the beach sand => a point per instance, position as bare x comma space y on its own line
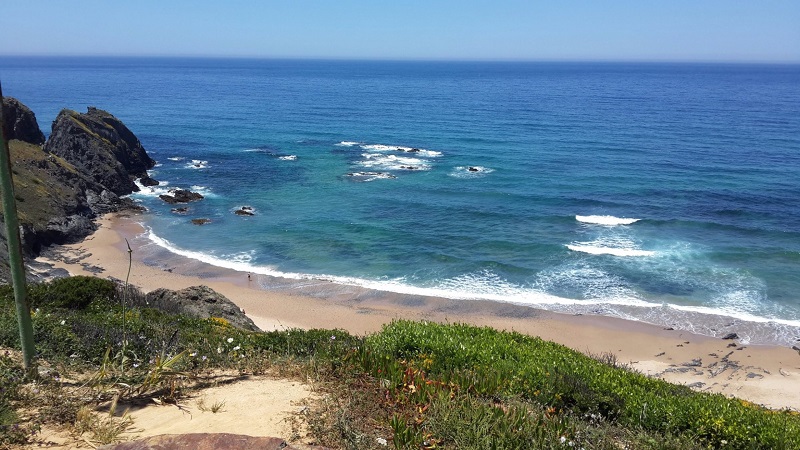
766, 375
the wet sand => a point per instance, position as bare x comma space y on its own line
767, 375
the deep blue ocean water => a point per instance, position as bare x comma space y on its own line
668, 193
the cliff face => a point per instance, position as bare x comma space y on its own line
89, 161
19, 122
100, 146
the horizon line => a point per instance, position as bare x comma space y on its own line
409, 59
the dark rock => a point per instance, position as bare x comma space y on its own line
147, 181
731, 336
694, 363
19, 122
201, 221
244, 212
181, 210
732, 344
101, 146
180, 196
473, 169
207, 441
201, 302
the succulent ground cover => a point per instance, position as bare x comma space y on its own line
411, 385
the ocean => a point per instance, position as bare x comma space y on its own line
666, 193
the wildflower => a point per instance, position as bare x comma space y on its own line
219, 350
381, 441
193, 354
205, 357
135, 365
563, 440
63, 322
236, 348
333, 338
230, 340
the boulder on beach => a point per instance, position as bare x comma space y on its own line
201, 302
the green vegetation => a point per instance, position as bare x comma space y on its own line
413, 385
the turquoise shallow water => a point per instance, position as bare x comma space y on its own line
660, 192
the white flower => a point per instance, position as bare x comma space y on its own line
63, 322
563, 440
219, 349
381, 441
230, 340
236, 348
193, 354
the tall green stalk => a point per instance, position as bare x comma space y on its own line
124, 300
15, 254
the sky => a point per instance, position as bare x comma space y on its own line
573, 30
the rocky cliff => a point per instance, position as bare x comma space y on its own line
89, 161
19, 122
101, 146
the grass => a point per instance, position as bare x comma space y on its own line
412, 385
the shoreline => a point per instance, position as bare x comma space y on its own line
762, 374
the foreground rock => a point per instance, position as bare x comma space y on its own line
100, 146
19, 122
201, 302
206, 441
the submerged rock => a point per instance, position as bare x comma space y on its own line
180, 196
201, 221
201, 302
244, 211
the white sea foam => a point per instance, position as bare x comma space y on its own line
197, 164
470, 171
606, 220
595, 250
176, 158
486, 285
288, 158
151, 191
399, 148
347, 143
370, 176
393, 162
204, 191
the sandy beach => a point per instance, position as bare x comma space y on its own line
767, 375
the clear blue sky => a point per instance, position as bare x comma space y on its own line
644, 30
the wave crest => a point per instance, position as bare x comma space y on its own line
606, 220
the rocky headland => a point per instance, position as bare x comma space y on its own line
83, 170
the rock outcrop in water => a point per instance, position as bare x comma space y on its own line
89, 161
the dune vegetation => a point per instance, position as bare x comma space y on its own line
411, 385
